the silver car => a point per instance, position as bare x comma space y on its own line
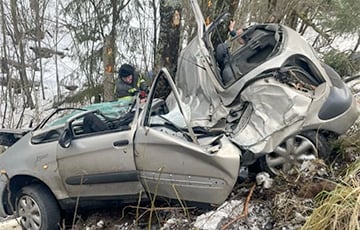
270, 101
152, 148
267, 89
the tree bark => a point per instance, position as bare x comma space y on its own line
154, 7
109, 56
4, 66
108, 59
169, 37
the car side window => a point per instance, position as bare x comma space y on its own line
47, 136
90, 123
95, 123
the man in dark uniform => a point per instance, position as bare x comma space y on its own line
129, 82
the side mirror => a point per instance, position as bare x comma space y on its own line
65, 139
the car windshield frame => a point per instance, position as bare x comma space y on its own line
112, 110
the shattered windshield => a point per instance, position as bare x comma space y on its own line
113, 110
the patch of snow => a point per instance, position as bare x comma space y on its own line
9, 224
212, 220
263, 178
259, 216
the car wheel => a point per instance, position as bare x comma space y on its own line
37, 208
294, 151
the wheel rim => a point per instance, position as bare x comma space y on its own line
291, 153
29, 213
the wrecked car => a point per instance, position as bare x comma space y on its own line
61, 164
271, 94
270, 101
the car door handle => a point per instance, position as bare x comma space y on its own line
121, 143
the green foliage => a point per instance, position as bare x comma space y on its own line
343, 16
83, 95
341, 62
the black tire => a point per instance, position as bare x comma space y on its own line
37, 208
289, 154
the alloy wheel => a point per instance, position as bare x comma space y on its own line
291, 153
29, 213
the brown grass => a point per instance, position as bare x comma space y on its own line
340, 208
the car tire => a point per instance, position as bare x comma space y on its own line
293, 151
37, 208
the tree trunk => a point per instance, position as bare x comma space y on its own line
155, 25
169, 37
4, 67
18, 39
108, 59
109, 56
56, 50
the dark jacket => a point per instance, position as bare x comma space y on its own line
123, 89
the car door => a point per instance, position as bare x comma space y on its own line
98, 164
175, 161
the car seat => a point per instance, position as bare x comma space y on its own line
92, 123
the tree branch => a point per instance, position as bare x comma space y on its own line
310, 23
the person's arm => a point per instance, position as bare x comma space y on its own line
235, 32
232, 31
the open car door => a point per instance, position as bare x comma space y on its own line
176, 160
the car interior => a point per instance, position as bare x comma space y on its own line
260, 42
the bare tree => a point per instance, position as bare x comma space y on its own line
93, 25
4, 68
155, 8
169, 38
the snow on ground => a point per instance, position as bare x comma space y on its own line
259, 216
9, 224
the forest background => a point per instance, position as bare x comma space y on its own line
56, 52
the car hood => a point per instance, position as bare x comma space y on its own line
10, 136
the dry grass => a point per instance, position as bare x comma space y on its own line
340, 208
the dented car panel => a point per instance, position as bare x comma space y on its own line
177, 162
274, 108
269, 88
186, 171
